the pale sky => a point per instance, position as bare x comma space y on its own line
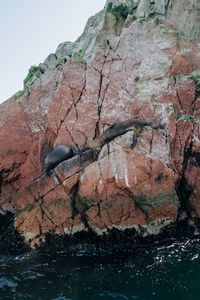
32, 29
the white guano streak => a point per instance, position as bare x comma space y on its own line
126, 177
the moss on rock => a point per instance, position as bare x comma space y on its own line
19, 93
115, 18
120, 10
109, 6
64, 44
77, 58
61, 61
186, 117
82, 204
195, 75
33, 73
145, 202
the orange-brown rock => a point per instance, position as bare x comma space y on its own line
184, 63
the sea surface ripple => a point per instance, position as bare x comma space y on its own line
167, 271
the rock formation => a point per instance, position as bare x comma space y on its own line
135, 59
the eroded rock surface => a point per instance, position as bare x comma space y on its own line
131, 69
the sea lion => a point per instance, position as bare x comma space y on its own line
118, 129
60, 153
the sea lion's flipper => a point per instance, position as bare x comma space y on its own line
48, 173
136, 134
76, 152
134, 141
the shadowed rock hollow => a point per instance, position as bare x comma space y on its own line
134, 60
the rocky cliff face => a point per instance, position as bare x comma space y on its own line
130, 63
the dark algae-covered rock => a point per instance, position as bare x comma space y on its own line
11, 242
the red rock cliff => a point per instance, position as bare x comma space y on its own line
131, 69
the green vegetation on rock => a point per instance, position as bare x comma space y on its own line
61, 202
28, 208
115, 18
145, 202
19, 93
98, 51
187, 117
171, 108
163, 32
31, 79
195, 75
132, 18
120, 10
140, 81
143, 21
61, 61
109, 6
77, 58
61, 45
82, 204
50, 56
33, 73
33, 69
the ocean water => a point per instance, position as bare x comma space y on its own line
167, 271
